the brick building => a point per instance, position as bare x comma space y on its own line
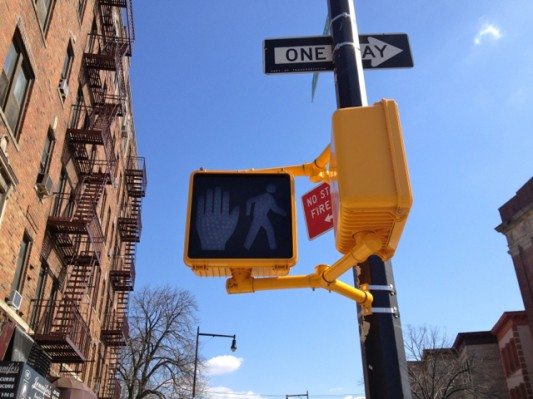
504, 355
517, 226
516, 352
71, 186
515, 329
481, 348
469, 369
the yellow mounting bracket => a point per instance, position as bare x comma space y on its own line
324, 276
316, 170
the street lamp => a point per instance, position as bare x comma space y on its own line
198, 334
299, 395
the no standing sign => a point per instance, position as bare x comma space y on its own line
318, 210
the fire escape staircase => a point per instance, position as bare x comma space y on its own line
114, 334
117, 44
78, 238
73, 222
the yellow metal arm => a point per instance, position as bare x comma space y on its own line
323, 277
316, 170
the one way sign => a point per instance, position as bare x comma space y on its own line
315, 53
386, 51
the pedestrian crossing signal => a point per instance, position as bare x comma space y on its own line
240, 221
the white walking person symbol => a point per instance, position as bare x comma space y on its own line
262, 204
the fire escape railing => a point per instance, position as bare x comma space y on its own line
116, 329
61, 331
136, 179
90, 128
122, 273
75, 227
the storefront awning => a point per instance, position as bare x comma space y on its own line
71, 388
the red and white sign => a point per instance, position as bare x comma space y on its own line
318, 210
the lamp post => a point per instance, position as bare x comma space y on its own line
299, 395
198, 334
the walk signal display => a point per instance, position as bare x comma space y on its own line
369, 177
240, 221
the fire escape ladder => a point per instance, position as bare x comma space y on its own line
110, 387
76, 232
123, 298
79, 278
106, 18
136, 179
115, 330
73, 221
61, 331
122, 273
90, 129
129, 224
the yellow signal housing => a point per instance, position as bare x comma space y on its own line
369, 176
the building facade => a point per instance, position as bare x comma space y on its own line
515, 329
71, 187
469, 369
516, 351
486, 375
517, 226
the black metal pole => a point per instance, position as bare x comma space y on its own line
382, 351
349, 81
198, 334
384, 364
195, 363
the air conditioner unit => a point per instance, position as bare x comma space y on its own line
15, 299
63, 87
44, 184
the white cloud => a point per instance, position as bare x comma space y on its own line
487, 30
223, 365
354, 397
228, 393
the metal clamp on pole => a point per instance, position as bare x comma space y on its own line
340, 45
393, 311
388, 287
341, 15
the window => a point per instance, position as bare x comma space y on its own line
90, 47
3, 192
58, 201
511, 361
7, 175
22, 263
102, 206
107, 222
81, 8
46, 156
44, 11
39, 293
65, 71
15, 82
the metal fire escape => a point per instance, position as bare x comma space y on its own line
116, 43
73, 224
122, 275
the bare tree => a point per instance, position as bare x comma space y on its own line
158, 361
439, 371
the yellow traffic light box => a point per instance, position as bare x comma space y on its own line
240, 221
369, 176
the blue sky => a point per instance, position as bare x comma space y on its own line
201, 99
